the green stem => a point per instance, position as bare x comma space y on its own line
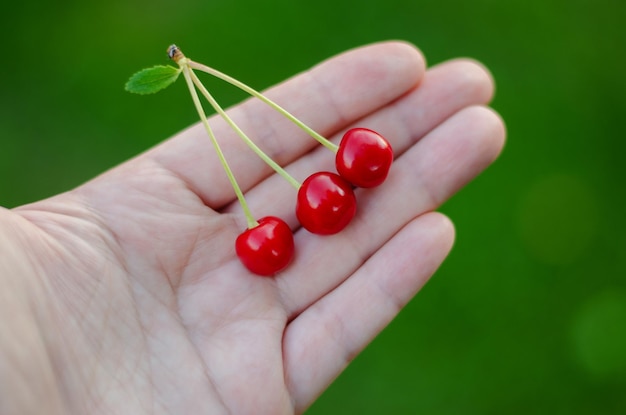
323, 141
187, 72
241, 134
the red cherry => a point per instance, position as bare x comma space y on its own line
267, 248
364, 157
326, 203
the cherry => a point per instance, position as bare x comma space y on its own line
364, 157
266, 248
325, 204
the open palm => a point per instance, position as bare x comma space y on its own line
131, 286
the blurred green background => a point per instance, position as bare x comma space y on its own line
528, 314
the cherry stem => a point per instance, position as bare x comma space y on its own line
187, 72
277, 168
323, 141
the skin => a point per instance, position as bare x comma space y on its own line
124, 295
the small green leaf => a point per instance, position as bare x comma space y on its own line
151, 80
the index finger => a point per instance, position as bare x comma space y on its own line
327, 98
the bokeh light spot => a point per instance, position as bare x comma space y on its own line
599, 334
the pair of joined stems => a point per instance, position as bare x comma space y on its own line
194, 82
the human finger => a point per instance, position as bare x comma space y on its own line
322, 340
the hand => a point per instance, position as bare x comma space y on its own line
125, 294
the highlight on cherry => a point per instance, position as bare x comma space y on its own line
325, 201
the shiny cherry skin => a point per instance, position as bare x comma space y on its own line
326, 203
267, 248
364, 157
